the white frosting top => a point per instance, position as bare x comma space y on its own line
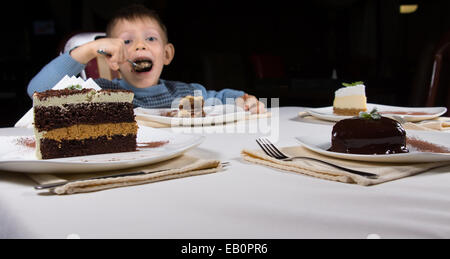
92, 96
27, 120
351, 90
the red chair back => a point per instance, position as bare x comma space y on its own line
440, 79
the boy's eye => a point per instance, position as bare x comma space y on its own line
127, 41
151, 39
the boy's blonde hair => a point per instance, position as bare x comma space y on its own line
134, 12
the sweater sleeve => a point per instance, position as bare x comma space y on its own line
223, 96
53, 72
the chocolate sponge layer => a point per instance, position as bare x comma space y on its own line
55, 117
69, 148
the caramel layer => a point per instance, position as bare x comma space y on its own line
79, 132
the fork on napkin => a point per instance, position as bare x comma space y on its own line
180, 167
385, 171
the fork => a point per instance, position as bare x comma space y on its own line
272, 151
100, 51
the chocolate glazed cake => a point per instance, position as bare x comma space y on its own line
369, 135
83, 122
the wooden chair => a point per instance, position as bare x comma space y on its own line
96, 68
439, 87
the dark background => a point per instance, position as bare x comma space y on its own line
274, 49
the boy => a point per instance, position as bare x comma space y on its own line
135, 34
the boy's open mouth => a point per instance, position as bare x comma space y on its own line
143, 65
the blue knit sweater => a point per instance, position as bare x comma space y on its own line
157, 96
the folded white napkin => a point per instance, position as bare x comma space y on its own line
385, 171
180, 167
441, 124
27, 120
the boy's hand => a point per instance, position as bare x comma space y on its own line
115, 47
251, 103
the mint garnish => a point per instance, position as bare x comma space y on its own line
374, 115
353, 84
74, 87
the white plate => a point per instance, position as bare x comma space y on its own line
326, 113
320, 143
218, 114
19, 158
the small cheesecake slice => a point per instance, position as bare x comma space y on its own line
350, 100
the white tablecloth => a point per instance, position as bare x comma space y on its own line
245, 201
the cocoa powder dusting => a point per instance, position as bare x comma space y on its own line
27, 142
425, 146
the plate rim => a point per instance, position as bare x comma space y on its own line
194, 142
392, 158
412, 118
220, 119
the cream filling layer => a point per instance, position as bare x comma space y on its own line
351, 102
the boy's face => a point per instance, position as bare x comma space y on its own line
144, 40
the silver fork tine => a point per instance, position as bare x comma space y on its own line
267, 149
272, 151
271, 146
263, 147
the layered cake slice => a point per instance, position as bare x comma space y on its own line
191, 107
350, 100
73, 122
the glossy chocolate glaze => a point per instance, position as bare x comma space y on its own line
368, 136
